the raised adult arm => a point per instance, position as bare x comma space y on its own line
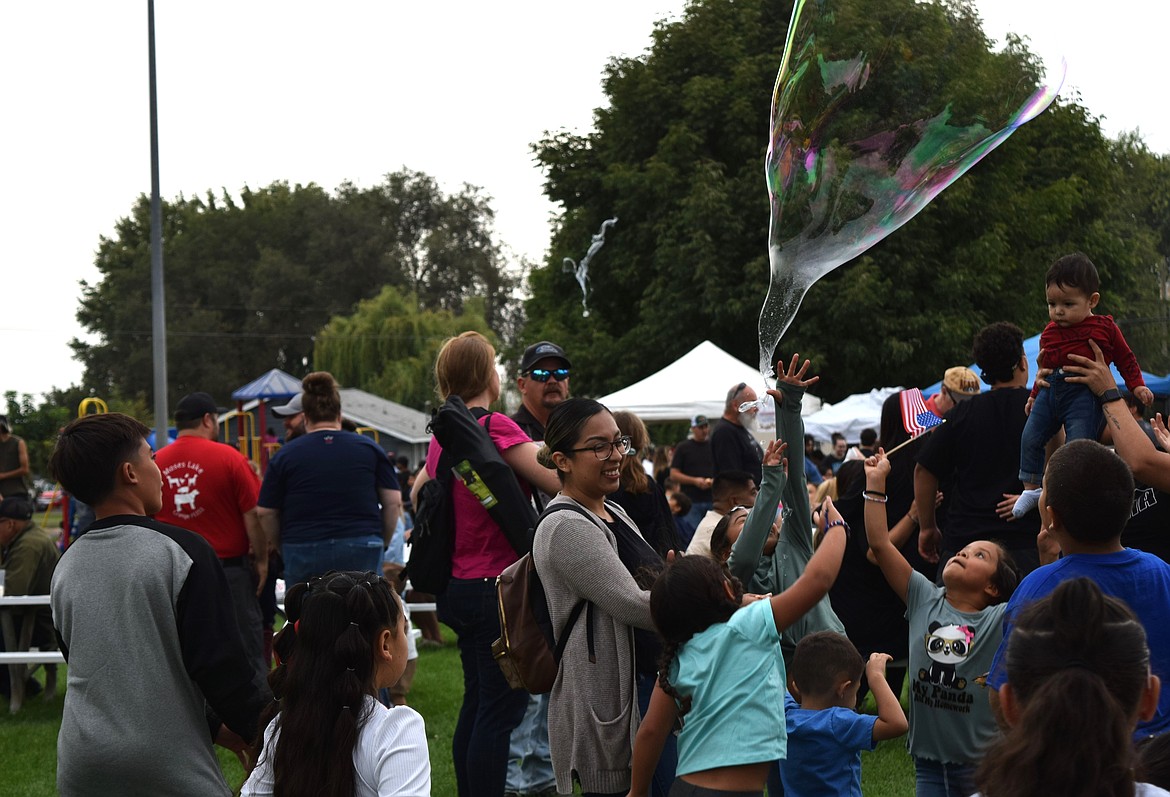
1149, 465
522, 460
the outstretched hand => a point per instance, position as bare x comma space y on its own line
794, 373
1161, 432
774, 454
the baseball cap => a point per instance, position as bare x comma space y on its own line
194, 406
16, 507
961, 382
699, 420
538, 351
292, 408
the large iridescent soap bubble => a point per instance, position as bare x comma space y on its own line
841, 176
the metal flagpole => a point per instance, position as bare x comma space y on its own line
157, 296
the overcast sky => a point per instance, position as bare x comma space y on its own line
252, 92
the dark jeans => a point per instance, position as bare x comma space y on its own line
491, 708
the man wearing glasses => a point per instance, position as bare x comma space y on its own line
543, 384
733, 447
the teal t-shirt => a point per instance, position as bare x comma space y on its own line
734, 675
950, 717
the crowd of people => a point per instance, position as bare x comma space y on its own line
725, 609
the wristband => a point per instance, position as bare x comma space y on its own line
868, 495
874, 493
1112, 394
840, 523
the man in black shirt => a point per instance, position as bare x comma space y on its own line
733, 447
980, 446
693, 469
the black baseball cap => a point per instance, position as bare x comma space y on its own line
16, 507
194, 406
538, 351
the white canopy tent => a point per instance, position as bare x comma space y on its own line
694, 384
850, 415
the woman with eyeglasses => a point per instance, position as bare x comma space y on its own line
466, 367
588, 552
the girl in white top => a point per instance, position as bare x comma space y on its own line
346, 637
1078, 682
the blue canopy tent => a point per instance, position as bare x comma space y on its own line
1159, 385
274, 385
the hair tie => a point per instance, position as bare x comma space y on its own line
297, 627
355, 625
349, 669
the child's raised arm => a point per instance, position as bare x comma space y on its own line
747, 551
891, 722
656, 726
818, 576
877, 532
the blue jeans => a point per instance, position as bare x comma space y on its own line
936, 779
1071, 405
529, 760
699, 510
491, 709
667, 762
303, 560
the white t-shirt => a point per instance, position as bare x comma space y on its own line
390, 758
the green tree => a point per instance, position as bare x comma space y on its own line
677, 155
387, 346
250, 282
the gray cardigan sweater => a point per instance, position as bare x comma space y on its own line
593, 708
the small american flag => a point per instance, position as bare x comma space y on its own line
916, 418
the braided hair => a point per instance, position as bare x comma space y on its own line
326, 652
1078, 664
687, 598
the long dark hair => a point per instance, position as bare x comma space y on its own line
688, 597
327, 652
1078, 663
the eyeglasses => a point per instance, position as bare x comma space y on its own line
543, 374
603, 451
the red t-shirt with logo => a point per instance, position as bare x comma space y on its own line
207, 488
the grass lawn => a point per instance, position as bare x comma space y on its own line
28, 740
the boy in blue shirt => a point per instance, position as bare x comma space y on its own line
825, 734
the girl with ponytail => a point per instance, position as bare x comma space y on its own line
329, 737
1078, 682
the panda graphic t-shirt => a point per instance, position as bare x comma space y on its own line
950, 651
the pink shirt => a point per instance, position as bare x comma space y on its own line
481, 549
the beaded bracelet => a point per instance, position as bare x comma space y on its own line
833, 523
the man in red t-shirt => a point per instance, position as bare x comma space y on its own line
211, 489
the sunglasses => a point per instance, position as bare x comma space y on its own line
543, 374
